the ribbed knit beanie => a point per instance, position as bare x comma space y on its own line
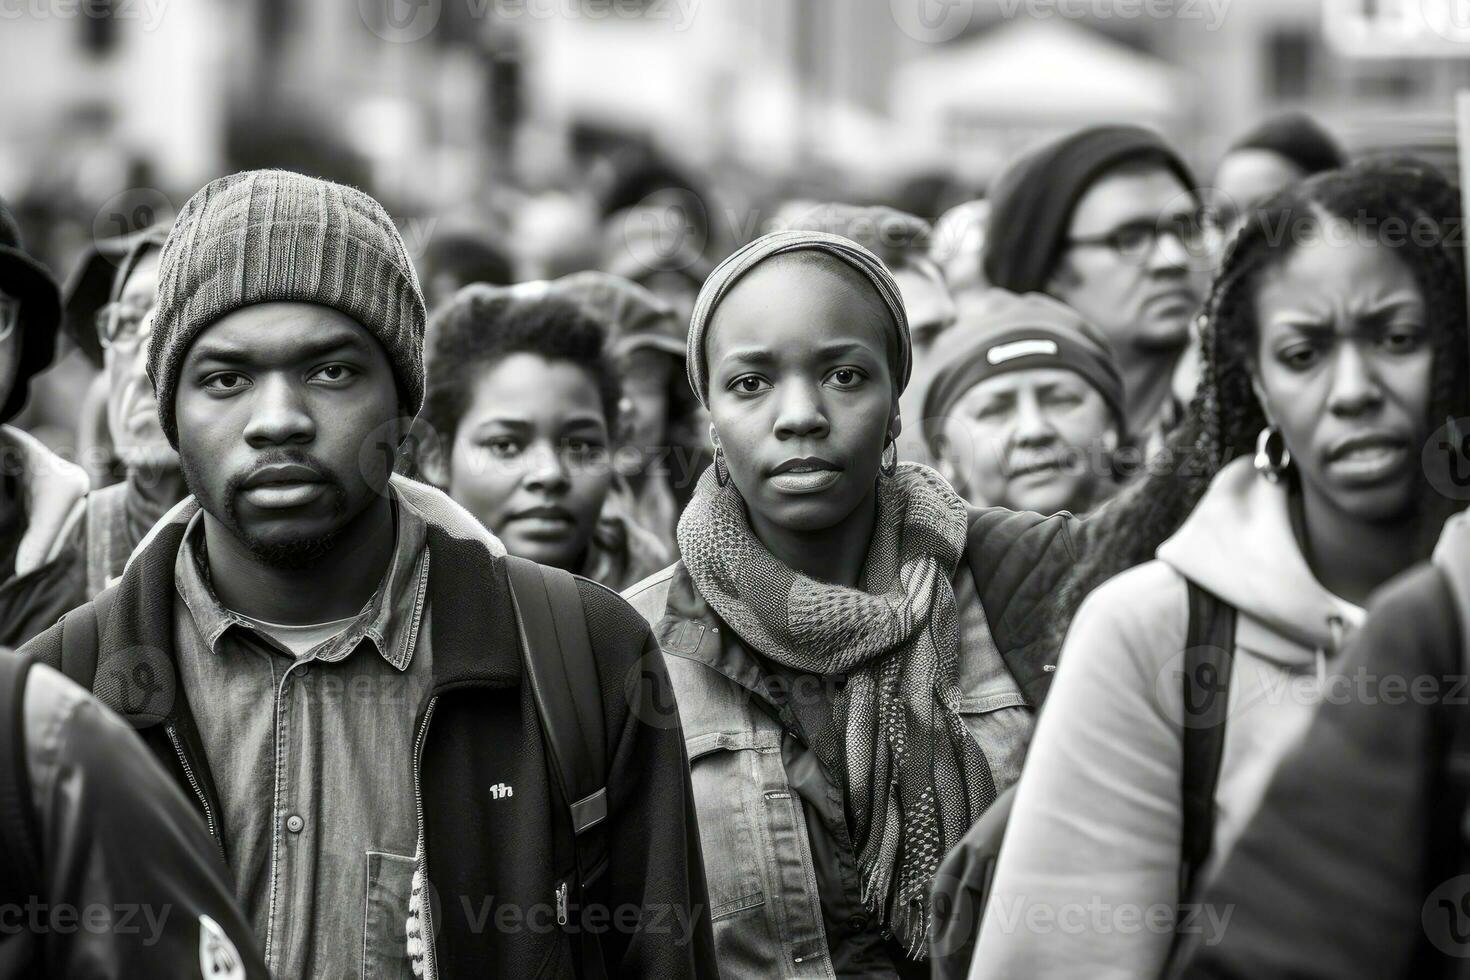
1033, 199
265, 236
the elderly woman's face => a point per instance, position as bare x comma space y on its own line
801, 390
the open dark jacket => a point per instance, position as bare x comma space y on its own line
480, 728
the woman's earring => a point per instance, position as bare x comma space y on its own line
1271, 465
889, 466
722, 471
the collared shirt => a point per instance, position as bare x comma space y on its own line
312, 757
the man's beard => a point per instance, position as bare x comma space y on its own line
298, 554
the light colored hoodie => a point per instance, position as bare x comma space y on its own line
1088, 876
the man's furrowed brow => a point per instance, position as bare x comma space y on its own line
227, 352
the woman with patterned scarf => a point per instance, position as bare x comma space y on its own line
856, 653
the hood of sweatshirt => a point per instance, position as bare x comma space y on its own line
1238, 544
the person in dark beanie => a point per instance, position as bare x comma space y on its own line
1027, 409
1281, 150
114, 519
1107, 220
396, 786
38, 489
106, 871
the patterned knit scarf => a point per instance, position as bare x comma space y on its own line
914, 778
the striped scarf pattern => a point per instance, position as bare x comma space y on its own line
914, 778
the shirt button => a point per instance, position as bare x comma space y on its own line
294, 823
856, 924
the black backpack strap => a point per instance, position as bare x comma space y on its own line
1209, 652
19, 837
568, 695
81, 638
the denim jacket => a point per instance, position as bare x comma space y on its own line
754, 784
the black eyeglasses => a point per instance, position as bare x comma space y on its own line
126, 323
1198, 234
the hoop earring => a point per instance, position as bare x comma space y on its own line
722, 470
889, 465
1273, 468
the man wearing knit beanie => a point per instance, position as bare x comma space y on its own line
305, 614
1027, 410
1106, 220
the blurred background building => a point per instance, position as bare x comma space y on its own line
540, 118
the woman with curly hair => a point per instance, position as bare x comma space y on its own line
1299, 483
522, 403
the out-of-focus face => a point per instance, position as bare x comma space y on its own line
800, 390
1031, 440
647, 377
1245, 178
675, 288
1344, 362
279, 406
928, 303
530, 458
1128, 268
132, 412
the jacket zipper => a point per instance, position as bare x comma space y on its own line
426, 921
561, 904
173, 737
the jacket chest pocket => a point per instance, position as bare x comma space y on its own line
730, 772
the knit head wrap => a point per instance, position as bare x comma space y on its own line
730, 271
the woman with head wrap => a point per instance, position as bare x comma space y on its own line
827, 635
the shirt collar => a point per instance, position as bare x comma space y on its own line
390, 620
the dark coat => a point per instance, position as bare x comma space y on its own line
494, 866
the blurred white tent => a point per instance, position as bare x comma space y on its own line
986, 98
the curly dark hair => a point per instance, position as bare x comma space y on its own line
482, 325
1225, 418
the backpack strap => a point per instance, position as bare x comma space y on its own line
81, 638
19, 837
568, 694
1209, 653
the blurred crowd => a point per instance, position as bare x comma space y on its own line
1167, 452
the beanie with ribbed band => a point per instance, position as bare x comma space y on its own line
265, 236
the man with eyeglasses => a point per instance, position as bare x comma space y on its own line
115, 518
1107, 220
37, 487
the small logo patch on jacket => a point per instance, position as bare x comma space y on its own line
500, 791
